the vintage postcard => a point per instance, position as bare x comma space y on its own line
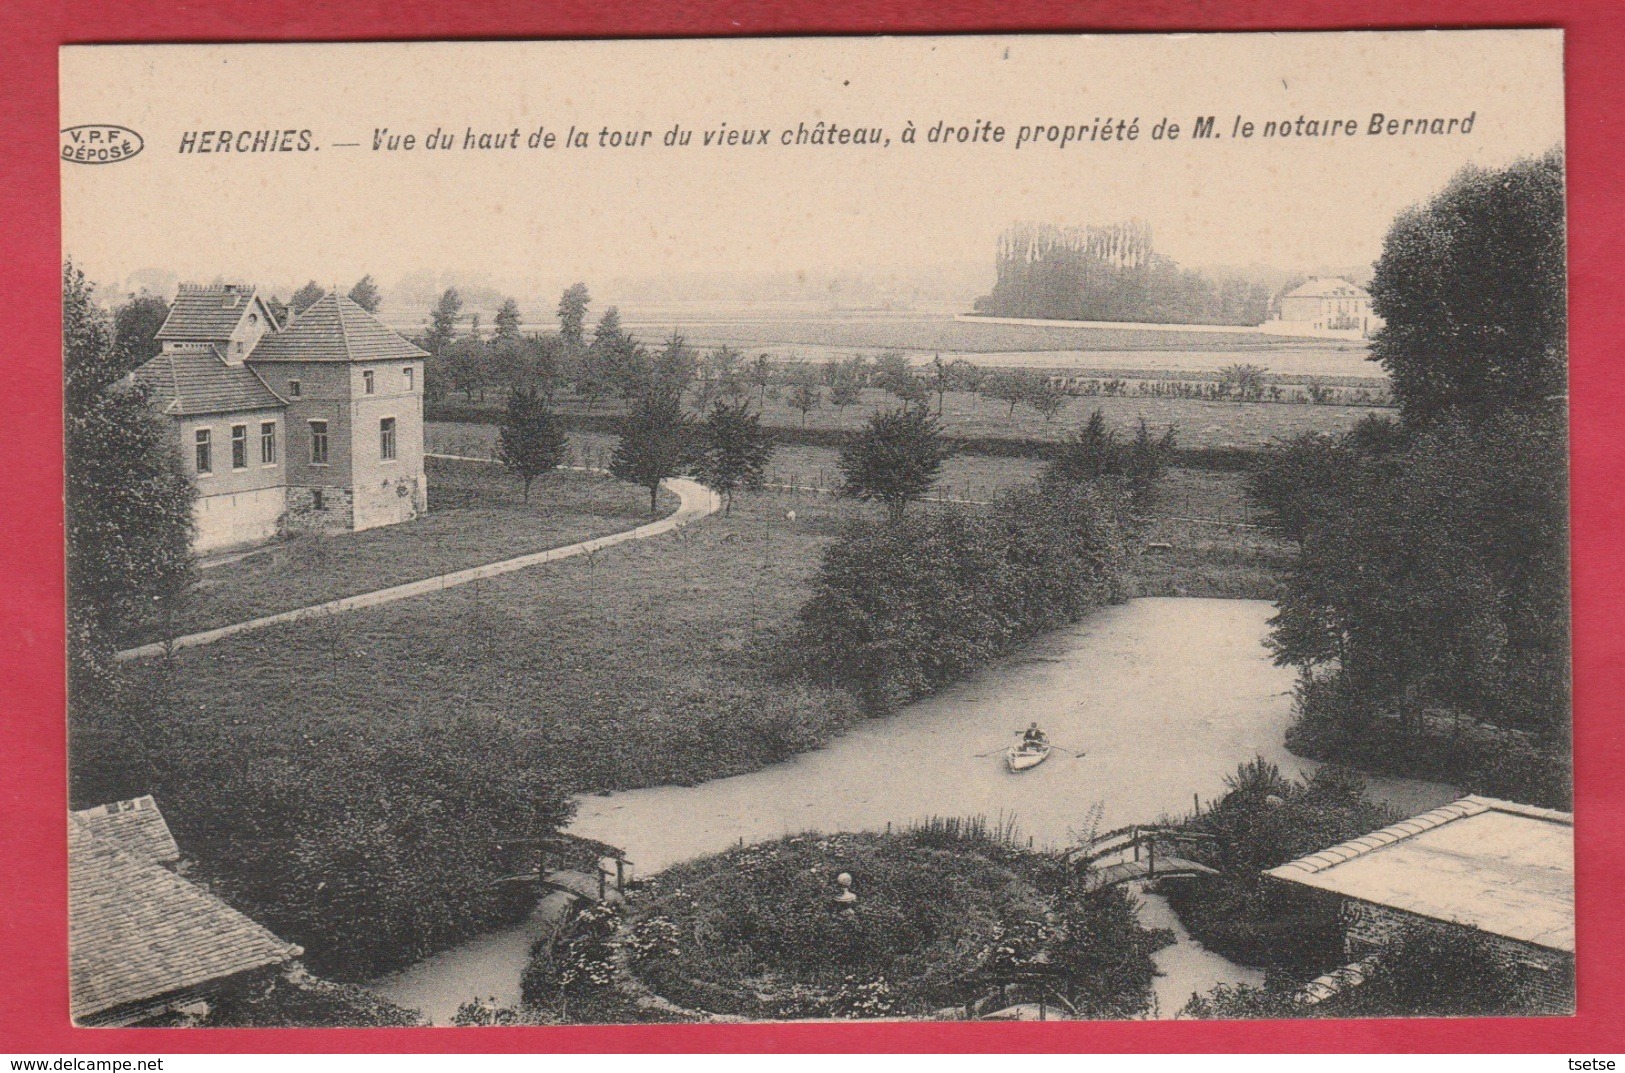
957, 528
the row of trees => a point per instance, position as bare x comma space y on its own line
1429, 596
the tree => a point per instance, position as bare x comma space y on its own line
1043, 395
1473, 290
530, 443
895, 375
307, 296
760, 375
128, 500
1010, 386
443, 321
734, 451
806, 393
656, 443
846, 381
366, 294
1090, 453
573, 305
135, 328
944, 377
896, 460
507, 321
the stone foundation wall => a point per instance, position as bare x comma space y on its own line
334, 514
1549, 974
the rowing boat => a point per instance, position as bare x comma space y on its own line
1026, 755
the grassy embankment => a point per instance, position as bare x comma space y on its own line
476, 515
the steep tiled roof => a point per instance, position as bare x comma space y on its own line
202, 382
1321, 287
137, 932
207, 314
1503, 867
335, 329
136, 826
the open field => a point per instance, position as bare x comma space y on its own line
476, 515
1199, 423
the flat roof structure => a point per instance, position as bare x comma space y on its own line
1504, 868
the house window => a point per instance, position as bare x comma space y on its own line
239, 447
408, 371
205, 460
294, 389
318, 443
239, 348
316, 499
386, 439
268, 443
366, 381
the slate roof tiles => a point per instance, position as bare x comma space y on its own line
139, 933
200, 381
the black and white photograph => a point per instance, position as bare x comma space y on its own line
1020, 528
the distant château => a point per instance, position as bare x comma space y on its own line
313, 423
1111, 273
1326, 305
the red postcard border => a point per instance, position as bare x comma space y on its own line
33, 928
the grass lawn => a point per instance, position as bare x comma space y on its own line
476, 515
633, 667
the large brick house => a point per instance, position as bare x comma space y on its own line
312, 423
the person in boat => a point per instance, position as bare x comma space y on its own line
1033, 738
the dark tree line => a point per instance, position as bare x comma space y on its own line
1111, 272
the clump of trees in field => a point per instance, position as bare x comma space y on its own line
1111, 273
1427, 608
902, 607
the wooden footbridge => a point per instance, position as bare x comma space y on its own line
583, 868
1134, 853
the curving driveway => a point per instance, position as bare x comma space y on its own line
695, 502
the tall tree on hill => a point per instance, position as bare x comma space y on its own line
896, 460
135, 328
573, 305
128, 500
366, 294
734, 450
530, 443
1473, 290
307, 296
507, 321
656, 443
443, 321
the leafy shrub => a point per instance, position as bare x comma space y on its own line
306, 1002
901, 609
1262, 821
370, 851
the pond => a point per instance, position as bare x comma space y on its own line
1161, 697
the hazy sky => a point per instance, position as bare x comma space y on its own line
600, 213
